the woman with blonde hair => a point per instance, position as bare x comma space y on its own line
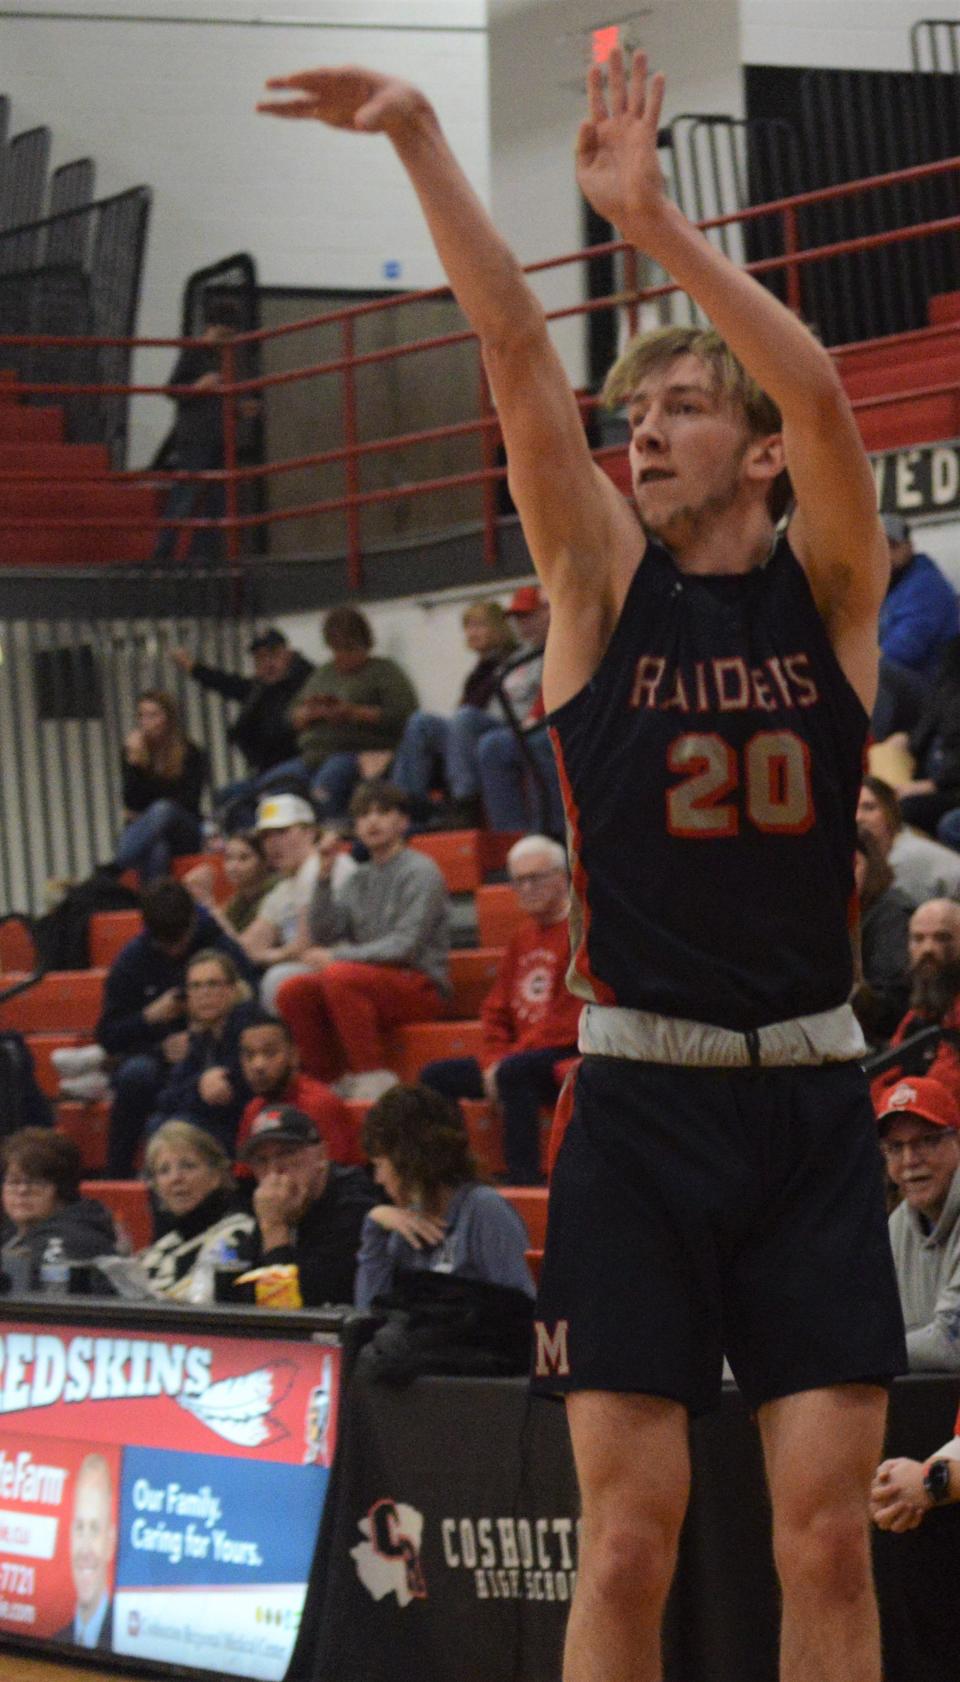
163, 777
198, 1213
434, 748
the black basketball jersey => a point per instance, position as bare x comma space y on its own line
710, 770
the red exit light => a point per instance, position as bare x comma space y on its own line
604, 42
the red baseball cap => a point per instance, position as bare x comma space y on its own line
525, 600
923, 1097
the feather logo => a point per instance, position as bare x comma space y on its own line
239, 1409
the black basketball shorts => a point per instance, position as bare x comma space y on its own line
701, 1212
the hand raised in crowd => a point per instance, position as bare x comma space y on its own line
199, 884
618, 169
176, 1046
328, 845
421, 1231
166, 1007
347, 97
135, 747
214, 1087
898, 1500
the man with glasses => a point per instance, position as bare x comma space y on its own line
918, 1126
529, 1018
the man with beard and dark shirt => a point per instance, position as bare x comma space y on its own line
309, 1212
261, 730
934, 949
143, 1022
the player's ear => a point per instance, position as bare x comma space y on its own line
765, 457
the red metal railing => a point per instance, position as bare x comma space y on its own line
483, 427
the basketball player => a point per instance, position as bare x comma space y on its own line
709, 686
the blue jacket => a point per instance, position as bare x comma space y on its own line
180, 1096
919, 615
141, 972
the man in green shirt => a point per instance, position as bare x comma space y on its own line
349, 715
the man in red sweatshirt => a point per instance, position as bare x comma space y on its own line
271, 1068
529, 1018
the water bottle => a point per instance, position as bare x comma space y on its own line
54, 1268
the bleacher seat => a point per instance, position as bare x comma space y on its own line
86, 1125
530, 1203
473, 972
465, 856
17, 950
109, 933
62, 1001
188, 861
128, 1202
499, 913
42, 1047
418, 1043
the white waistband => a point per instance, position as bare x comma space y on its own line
829, 1036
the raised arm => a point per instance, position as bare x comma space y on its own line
836, 532
573, 519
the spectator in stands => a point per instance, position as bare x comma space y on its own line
196, 442
514, 796
917, 620
904, 1491
439, 1217
932, 795
271, 1068
881, 995
163, 778
918, 1123
350, 713
277, 938
261, 730
444, 750
249, 875
529, 1018
378, 954
923, 869
199, 1213
144, 1020
309, 1212
934, 953
44, 1215
207, 1086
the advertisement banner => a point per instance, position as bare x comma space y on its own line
191, 1544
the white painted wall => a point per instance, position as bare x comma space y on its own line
835, 34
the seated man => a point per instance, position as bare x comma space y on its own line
922, 868
287, 826
378, 953
529, 1018
271, 1067
934, 956
309, 1213
144, 1020
350, 714
504, 772
918, 1127
207, 1086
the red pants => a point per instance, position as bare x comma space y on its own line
341, 1016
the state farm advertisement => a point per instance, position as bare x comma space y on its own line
160, 1496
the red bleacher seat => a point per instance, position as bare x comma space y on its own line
530, 1203
64, 1000
945, 306
910, 420
535, 1264
86, 1125
128, 1202
17, 950
221, 887
426, 1042
109, 933
499, 913
465, 856
42, 1046
473, 973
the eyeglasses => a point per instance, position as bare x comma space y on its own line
533, 879
924, 1145
203, 986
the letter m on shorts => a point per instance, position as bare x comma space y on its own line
552, 1356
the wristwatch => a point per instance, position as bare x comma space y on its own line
936, 1481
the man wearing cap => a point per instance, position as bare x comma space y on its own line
261, 730
288, 826
917, 620
918, 1124
309, 1212
502, 765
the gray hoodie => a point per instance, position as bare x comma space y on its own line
928, 1273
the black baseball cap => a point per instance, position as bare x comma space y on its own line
270, 638
284, 1122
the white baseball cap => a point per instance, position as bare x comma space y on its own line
279, 811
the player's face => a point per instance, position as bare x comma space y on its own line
687, 449
934, 936
921, 1161
267, 1059
92, 1540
